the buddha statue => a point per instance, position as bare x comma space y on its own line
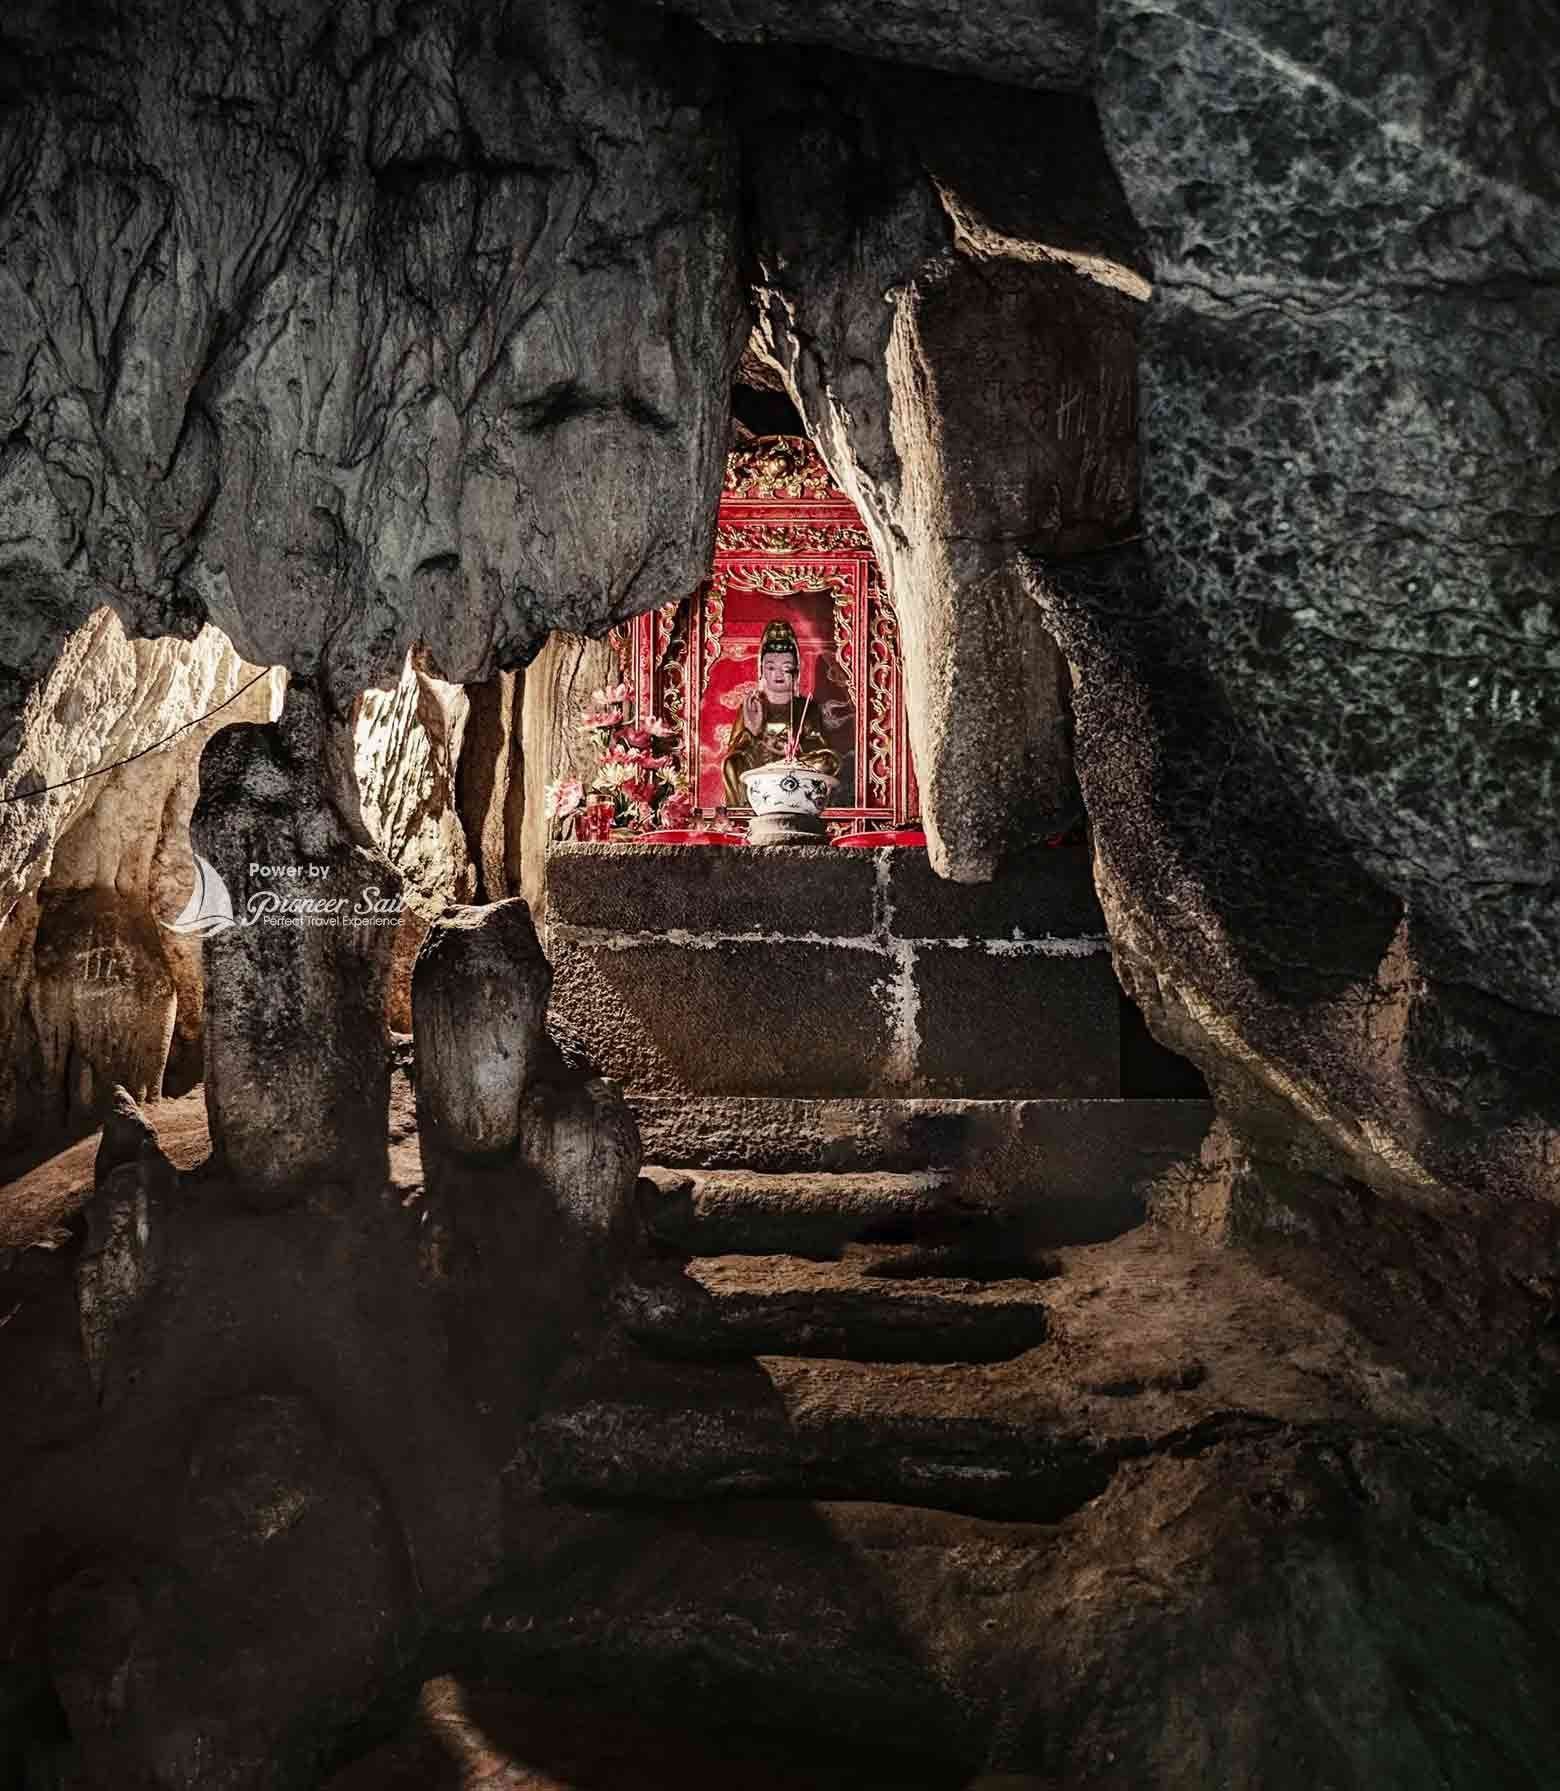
772, 713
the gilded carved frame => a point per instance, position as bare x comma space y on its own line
784, 526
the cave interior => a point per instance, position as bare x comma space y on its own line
1034, 1264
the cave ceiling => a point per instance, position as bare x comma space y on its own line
350, 327
1192, 367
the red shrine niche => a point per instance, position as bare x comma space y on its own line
789, 547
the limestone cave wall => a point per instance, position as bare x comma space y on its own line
350, 335
1188, 365
1191, 363
96, 992
306, 314
1316, 703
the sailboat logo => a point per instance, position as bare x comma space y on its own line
209, 909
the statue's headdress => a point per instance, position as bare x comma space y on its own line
779, 637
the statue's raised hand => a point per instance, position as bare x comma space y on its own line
753, 712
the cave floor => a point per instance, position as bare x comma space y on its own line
468, 1735
847, 1484
42, 1190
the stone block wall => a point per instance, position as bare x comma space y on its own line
813, 972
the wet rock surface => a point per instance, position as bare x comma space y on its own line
296, 1073
480, 994
414, 278
348, 330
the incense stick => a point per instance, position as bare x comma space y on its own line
793, 745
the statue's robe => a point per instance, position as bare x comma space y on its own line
746, 751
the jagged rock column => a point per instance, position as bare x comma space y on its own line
960, 339
1317, 711
528, 1162
408, 744
557, 691
297, 1083
490, 784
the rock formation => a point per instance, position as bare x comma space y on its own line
481, 989
303, 346
407, 747
1191, 364
956, 303
557, 693
1315, 711
295, 1002
529, 1163
1050, 45
454, 781
91, 862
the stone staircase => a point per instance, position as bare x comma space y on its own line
873, 1431
883, 1292
880, 1267
884, 1336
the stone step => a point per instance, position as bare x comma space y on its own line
821, 1214
824, 1430
1213, 1347
721, 1307
1078, 1171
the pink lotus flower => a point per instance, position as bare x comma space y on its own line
662, 730
562, 798
638, 738
602, 718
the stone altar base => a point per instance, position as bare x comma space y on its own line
878, 978
787, 830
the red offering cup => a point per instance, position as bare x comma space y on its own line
596, 821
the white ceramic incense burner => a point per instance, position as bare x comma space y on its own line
786, 789
787, 801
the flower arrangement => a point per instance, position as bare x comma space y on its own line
641, 783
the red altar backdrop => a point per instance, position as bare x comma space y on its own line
789, 545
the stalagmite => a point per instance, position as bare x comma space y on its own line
480, 993
297, 1079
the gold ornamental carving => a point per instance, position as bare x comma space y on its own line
776, 467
